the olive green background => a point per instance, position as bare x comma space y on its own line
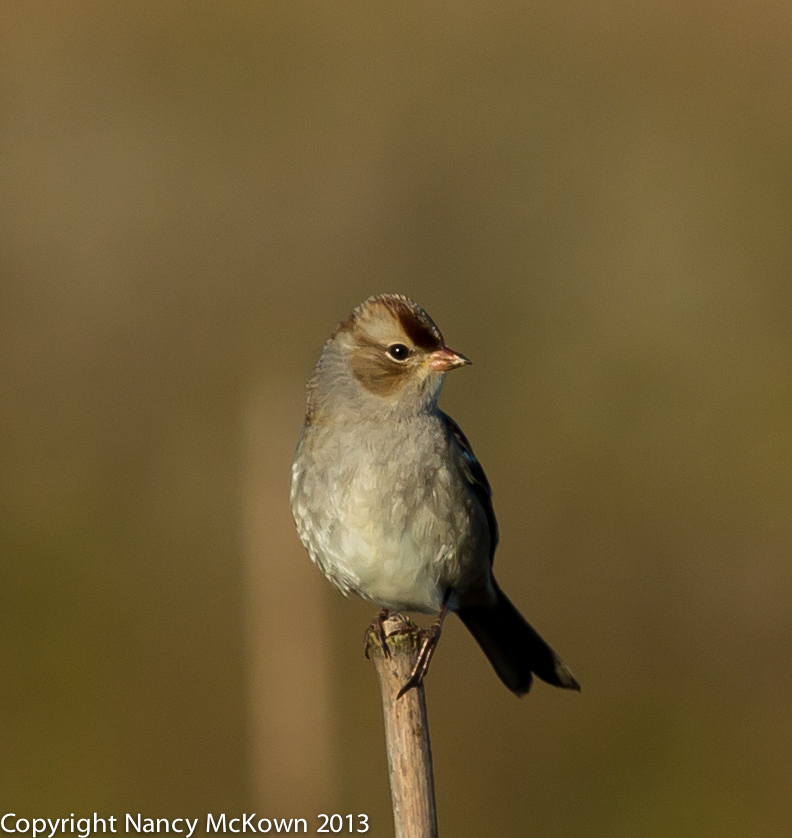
594, 202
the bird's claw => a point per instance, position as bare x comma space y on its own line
429, 640
377, 628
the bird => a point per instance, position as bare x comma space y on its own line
389, 499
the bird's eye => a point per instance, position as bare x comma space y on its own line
399, 352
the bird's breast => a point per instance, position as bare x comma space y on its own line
394, 523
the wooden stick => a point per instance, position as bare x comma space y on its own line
406, 731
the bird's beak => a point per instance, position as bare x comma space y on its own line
445, 359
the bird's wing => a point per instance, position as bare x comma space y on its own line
474, 474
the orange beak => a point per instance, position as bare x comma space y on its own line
445, 359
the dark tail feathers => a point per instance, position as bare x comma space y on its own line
514, 648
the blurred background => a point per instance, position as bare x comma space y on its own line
594, 202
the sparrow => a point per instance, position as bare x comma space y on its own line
389, 499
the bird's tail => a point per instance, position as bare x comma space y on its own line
514, 648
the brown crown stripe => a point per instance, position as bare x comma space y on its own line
417, 324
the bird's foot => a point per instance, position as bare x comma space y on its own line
377, 628
429, 640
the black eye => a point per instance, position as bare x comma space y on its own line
399, 352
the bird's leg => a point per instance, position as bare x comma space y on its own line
429, 643
377, 627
